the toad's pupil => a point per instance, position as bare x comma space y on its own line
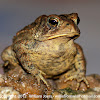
53, 22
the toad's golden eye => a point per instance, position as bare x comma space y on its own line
53, 22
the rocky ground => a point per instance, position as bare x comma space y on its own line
16, 84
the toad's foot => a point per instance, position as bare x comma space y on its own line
40, 77
76, 76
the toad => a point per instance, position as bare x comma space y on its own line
46, 49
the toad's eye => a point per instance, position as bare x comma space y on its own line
53, 22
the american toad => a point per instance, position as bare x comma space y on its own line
46, 49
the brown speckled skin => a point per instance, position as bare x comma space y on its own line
47, 49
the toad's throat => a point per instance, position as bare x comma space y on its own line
69, 35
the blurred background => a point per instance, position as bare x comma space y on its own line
15, 14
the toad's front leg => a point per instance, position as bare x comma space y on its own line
79, 69
38, 74
25, 55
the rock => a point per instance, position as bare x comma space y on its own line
69, 94
93, 79
16, 79
23, 83
8, 93
66, 91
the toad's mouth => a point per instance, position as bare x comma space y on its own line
71, 36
